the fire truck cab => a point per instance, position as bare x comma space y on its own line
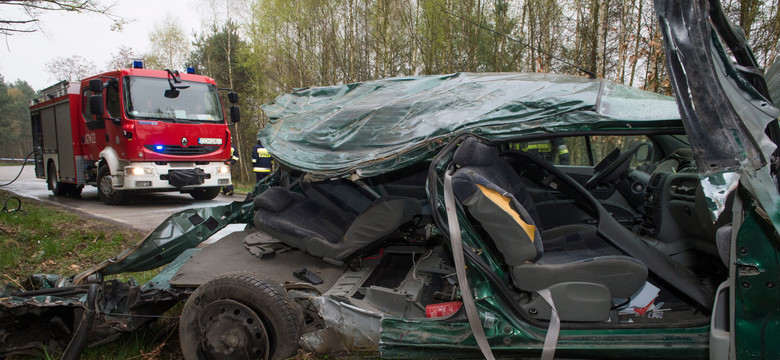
133, 130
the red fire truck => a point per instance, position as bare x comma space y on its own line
133, 130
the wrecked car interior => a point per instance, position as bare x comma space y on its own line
415, 217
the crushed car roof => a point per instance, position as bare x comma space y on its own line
378, 126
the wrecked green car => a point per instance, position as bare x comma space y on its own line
474, 216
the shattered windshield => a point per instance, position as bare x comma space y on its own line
146, 98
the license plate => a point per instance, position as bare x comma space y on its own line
210, 141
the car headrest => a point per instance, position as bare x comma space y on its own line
274, 199
472, 152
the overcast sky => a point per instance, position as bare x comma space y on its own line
23, 56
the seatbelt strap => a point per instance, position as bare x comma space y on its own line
456, 243
551, 340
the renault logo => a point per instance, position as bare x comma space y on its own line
184, 142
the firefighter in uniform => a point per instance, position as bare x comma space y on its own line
228, 190
261, 162
545, 149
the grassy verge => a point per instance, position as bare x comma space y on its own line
243, 188
45, 239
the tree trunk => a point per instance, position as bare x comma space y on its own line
603, 28
637, 40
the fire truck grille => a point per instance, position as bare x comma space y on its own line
181, 164
184, 151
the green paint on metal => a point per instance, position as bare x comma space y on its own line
378, 126
162, 280
179, 232
411, 339
757, 297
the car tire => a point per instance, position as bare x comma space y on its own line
106, 191
240, 315
208, 193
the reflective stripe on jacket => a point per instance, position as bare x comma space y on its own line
261, 160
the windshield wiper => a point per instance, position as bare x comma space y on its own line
171, 119
174, 120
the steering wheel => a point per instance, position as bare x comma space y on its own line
612, 165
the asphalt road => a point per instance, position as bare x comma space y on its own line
144, 212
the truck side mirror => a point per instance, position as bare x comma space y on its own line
233, 97
96, 86
96, 104
235, 114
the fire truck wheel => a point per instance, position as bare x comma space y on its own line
106, 191
205, 193
240, 315
51, 180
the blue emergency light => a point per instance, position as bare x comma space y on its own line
190, 70
138, 64
158, 147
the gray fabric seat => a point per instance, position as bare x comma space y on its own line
295, 218
493, 194
325, 231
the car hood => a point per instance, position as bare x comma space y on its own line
378, 126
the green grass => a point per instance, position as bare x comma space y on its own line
160, 340
243, 188
45, 239
50, 240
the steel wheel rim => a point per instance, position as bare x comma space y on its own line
105, 186
231, 330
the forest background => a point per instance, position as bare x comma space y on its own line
262, 48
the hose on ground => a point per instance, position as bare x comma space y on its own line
13, 209
20, 170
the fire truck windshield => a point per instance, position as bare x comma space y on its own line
145, 99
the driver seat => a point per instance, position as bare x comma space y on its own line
583, 276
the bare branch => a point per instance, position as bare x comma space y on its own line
30, 11
17, 21
70, 68
7, 31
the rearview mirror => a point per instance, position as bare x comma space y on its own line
233, 97
644, 153
171, 93
235, 114
96, 85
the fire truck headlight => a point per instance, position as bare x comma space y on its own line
138, 171
223, 170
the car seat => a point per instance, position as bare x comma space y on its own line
581, 270
323, 230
